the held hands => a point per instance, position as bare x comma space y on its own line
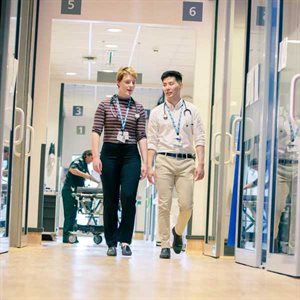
199, 172
97, 165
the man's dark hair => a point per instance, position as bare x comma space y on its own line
86, 153
172, 73
253, 162
6, 149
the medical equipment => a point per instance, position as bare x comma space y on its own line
90, 206
186, 110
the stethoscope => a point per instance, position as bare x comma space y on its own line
114, 99
186, 110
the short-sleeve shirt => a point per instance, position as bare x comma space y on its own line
73, 180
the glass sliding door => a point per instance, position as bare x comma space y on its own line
9, 69
227, 99
284, 237
23, 131
255, 135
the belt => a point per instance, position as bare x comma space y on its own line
288, 161
178, 155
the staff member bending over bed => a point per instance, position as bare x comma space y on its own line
77, 173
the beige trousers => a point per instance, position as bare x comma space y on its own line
286, 185
169, 173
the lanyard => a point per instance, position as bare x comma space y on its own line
292, 131
177, 129
123, 121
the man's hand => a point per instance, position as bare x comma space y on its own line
97, 164
151, 175
199, 172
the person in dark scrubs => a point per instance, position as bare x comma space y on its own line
77, 174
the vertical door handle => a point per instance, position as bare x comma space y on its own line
20, 127
217, 162
230, 159
31, 129
234, 135
293, 99
214, 156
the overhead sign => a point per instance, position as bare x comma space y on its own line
77, 111
260, 15
70, 7
80, 130
192, 11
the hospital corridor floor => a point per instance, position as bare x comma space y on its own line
83, 271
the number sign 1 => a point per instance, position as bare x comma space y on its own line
71, 7
80, 130
192, 11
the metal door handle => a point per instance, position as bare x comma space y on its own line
19, 127
234, 135
293, 98
214, 149
226, 162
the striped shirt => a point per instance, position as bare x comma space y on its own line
107, 118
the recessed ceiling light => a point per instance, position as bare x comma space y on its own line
108, 96
111, 46
107, 71
71, 73
114, 30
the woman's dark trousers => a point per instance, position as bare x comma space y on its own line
121, 168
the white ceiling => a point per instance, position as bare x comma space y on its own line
150, 49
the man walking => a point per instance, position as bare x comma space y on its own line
175, 134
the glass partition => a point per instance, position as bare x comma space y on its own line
8, 78
227, 99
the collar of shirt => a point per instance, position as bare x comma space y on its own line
176, 107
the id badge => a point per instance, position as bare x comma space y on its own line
126, 135
121, 137
178, 142
291, 147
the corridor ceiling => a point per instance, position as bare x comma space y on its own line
150, 49
84, 48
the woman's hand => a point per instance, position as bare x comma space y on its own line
144, 169
97, 164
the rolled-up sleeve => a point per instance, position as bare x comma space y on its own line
152, 131
99, 119
199, 133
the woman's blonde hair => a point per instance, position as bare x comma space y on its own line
126, 70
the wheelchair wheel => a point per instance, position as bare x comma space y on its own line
98, 239
72, 238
